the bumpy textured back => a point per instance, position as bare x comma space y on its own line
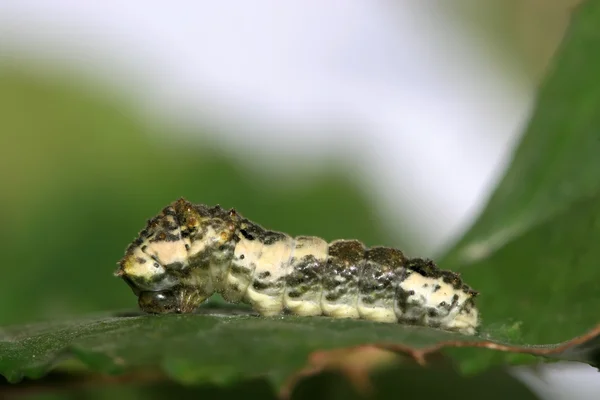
188, 252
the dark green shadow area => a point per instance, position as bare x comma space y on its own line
533, 253
403, 381
414, 382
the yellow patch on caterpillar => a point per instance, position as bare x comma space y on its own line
238, 278
266, 292
309, 303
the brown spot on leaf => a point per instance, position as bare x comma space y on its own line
355, 363
584, 348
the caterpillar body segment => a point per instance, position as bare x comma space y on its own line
303, 281
188, 252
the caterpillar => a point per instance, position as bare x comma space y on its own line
189, 251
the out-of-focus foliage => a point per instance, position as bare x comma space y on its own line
80, 176
415, 383
524, 34
196, 348
534, 251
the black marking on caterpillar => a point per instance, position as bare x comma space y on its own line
188, 252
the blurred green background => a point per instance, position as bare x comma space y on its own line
80, 175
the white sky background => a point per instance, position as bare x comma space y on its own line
429, 114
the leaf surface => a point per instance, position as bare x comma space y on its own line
222, 344
533, 253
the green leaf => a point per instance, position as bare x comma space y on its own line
386, 384
413, 382
556, 164
533, 253
221, 346
193, 348
97, 387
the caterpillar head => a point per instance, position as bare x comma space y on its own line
161, 263
156, 258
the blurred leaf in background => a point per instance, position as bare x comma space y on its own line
533, 251
416, 383
80, 176
523, 34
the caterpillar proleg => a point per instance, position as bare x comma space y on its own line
188, 252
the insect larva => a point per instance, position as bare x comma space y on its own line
188, 252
